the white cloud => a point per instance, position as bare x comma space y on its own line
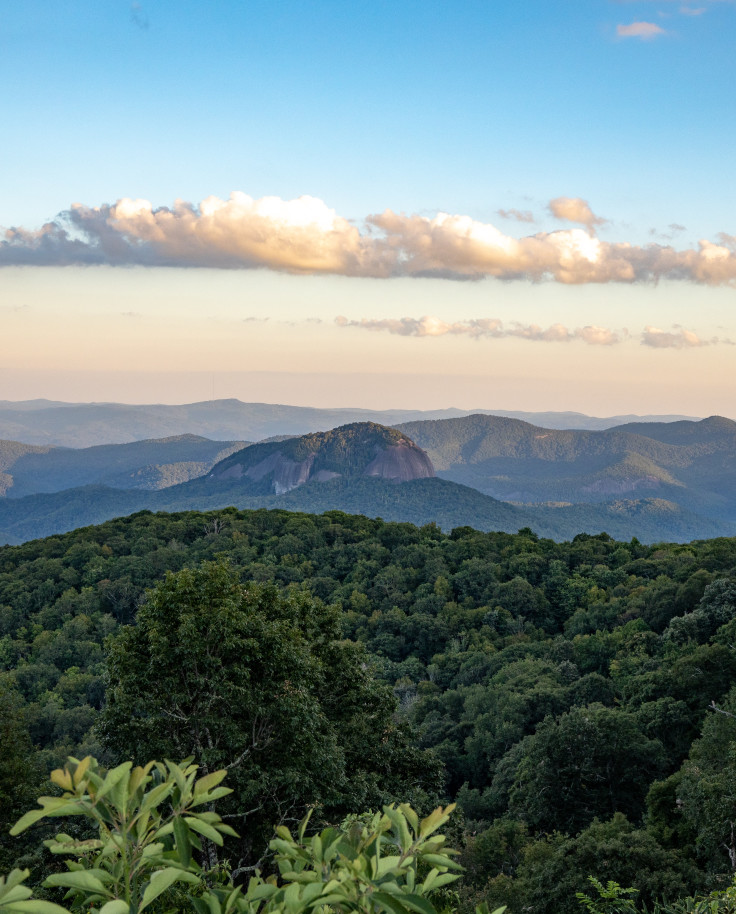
306, 236
645, 31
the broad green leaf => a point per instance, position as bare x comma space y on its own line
112, 779
138, 776
208, 782
311, 892
435, 820
81, 770
62, 778
52, 806
183, 844
439, 881
258, 892
117, 906
16, 893
162, 880
204, 829
401, 826
418, 904
411, 816
441, 860
83, 880
390, 902
387, 863
210, 797
33, 906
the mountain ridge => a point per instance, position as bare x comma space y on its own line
43, 422
692, 464
343, 475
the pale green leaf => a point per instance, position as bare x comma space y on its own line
117, 906
33, 906
112, 778
208, 782
204, 829
162, 880
82, 880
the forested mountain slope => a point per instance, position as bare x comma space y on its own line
565, 687
152, 464
692, 464
361, 468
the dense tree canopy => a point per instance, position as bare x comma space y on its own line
260, 684
564, 687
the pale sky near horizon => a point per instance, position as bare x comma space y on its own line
406, 204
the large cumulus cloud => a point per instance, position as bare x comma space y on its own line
306, 236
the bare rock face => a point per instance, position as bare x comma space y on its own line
360, 449
286, 474
401, 463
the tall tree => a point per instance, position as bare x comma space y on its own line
259, 683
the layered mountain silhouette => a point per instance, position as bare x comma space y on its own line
370, 469
80, 425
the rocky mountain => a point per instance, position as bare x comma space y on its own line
80, 425
361, 468
691, 464
359, 449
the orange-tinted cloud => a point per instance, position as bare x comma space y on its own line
678, 338
306, 236
575, 209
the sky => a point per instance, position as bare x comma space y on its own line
379, 204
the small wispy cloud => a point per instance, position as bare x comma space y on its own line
644, 31
575, 209
692, 11
677, 338
673, 229
517, 215
494, 328
485, 328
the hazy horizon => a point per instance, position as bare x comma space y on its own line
402, 205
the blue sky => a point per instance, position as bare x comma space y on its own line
480, 110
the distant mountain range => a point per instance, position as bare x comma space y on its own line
81, 425
370, 469
690, 464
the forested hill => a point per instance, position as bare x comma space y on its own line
150, 464
564, 687
361, 468
690, 464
